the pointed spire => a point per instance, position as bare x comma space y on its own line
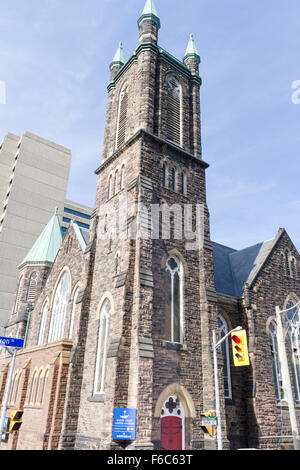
149, 12
118, 59
46, 247
149, 8
191, 50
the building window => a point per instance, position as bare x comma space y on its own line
275, 362
45, 385
122, 116
73, 312
31, 293
174, 301
117, 264
110, 187
165, 175
59, 309
39, 391
293, 343
223, 331
116, 189
33, 388
99, 382
174, 111
43, 323
183, 183
122, 184
174, 179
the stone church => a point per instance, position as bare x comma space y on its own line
122, 316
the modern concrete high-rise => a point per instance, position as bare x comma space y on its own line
34, 175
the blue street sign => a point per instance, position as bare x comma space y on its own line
124, 426
12, 342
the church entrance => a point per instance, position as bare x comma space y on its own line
172, 425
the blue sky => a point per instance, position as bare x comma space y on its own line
54, 60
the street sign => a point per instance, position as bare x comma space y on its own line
124, 426
209, 421
12, 342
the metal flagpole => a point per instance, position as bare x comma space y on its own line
286, 379
7, 392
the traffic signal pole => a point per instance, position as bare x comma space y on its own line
217, 390
7, 392
286, 379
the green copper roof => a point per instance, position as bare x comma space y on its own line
149, 8
119, 57
191, 50
46, 247
149, 12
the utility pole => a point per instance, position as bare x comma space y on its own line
7, 392
286, 378
217, 390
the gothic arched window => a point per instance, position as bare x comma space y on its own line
174, 179
31, 292
222, 331
293, 333
116, 188
174, 301
122, 116
183, 183
73, 312
110, 187
43, 323
275, 361
59, 309
165, 175
103, 335
174, 111
122, 179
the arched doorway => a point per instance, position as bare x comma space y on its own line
172, 424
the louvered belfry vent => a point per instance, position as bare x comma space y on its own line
31, 293
174, 111
122, 117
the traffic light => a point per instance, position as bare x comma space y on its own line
16, 420
206, 428
240, 348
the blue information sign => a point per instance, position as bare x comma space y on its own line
12, 342
124, 424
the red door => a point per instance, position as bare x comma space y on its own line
171, 433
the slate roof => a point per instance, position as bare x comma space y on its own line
233, 268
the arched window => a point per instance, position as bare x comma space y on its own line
43, 323
222, 331
117, 264
59, 309
275, 362
15, 387
33, 388
110, 187
293, 334
116, 189
73, 312
31, 292
122, 183
45, 385
40, 382
174, 111
165, 175
174, 301
99, 382
183, 183
174, 179
122, 116
19, 292
287, 263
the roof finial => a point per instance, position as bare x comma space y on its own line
149, 13
191, 50
118, 59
